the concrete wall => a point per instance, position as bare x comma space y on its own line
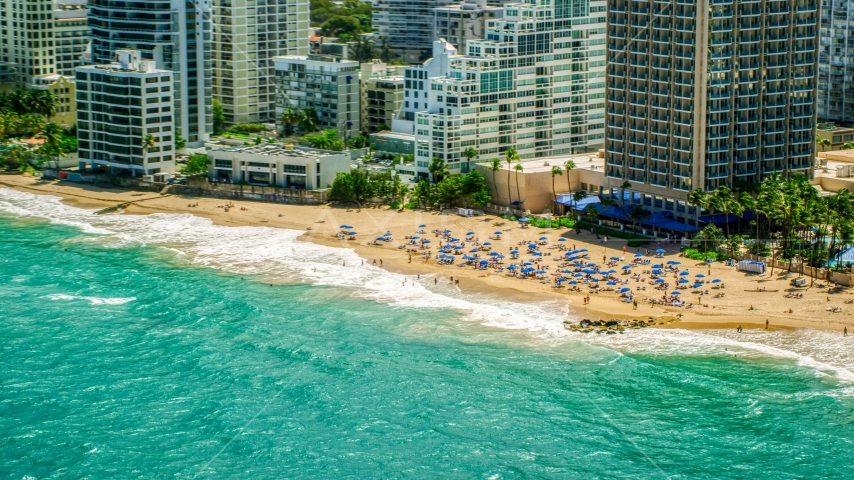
817, 273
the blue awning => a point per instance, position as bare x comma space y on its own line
581, 204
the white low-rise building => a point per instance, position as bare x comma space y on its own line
118, 106
280, 165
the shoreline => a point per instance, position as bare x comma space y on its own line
320, 223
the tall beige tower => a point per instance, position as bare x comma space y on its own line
247, 35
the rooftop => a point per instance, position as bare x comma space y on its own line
275, 150
587, 161
396, 135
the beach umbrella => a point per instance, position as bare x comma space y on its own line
561, 239
450, 256
541, 272
498, 233
514, 252
473, 250
427, 241
673, 262
422, 226
387, 234
492, 254
660, 250
638, 255
683, 273
441, 250
537, 254
659, 280
499, 256
448, 245
568, 271
612, 283
675, 293
699, 275
610, 271
343, 226
656, 271
416, 237
532, 246
624, 290
581, 250
717, 280
380, 238
486, 244
455, 239
626, 267
484, 262
588, 270
527, 264
544, 238
573, 282
683, 280
657, 265
527, 269
577, 274
351, 233
697, 285
614, 258
524, 219
467, 257
512, 267
470, 233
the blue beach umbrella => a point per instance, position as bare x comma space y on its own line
657, 265
683, 280
380, 238
527, 264
486, 243
626, 267
544, 238
427, 241
614, 258
561, 239
484, 262
455, 239
351, 233
675, 293
512, 267
541, 272
717, 280
422, 226
493, 254
581, 250
697, 285
537, 254
470, 233
660, 250
612, 283
499, 256
656, 271
700, 275
683, 273
514, 252
532, 246
416, 237
387, 234
577, 274
498, 233
573, 282
624, 290
659, 280
638, 255
673, 262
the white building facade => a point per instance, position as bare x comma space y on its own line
174, 33
279, 165
535, 84
247, 35
118, 105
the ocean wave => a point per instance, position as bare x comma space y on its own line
277, 254
91, 300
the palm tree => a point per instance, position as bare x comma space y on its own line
31, 123
724, 200
555, 171
363, 48
148, 142
699, 199
518, 169
438, 169
290, 118
44, 102
470, 153
823, 143
52, 147
308, 121
495, 166
510, 155
569, 165
623, 187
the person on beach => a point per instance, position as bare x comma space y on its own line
845, 332
766, 324
738, 329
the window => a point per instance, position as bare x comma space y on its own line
293, 169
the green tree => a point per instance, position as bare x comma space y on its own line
290, 119
196, 165
325, 140
700, 200
569, 166
340, 24
474, 188
518, 168
424, 194
494, 167
470, 153
342, 188
363, 48
710, 237
438, 169
309, 121
510, 156
591, 214
555, 172
218, 116
623, 187
52, 147
180, 141
823, 143
359, 141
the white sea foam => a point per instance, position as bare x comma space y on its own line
92, 300
277, 253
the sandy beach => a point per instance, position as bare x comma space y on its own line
749, 300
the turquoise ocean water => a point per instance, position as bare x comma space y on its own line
154, 347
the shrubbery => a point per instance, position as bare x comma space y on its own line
248, 128
694, 254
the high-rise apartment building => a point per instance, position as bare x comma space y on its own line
708, 93
836, 62
535, 83
71, 35
460, 22
43, 37
118, 106
174, 33
329, 86
247, 34
407, 25
382, 95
